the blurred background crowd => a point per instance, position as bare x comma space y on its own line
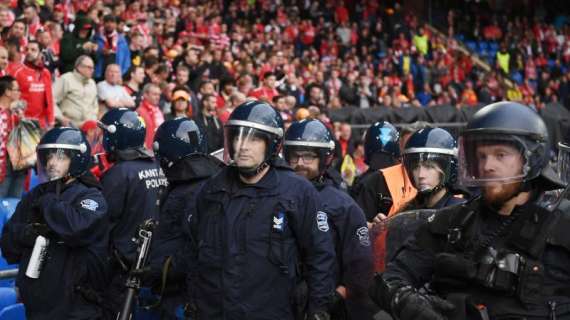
68, 62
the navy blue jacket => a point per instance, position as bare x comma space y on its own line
73, 274
172, 233
354, 267
248, 241
131, 190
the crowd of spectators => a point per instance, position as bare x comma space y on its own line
75, 59
526, 43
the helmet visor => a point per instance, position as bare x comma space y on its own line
486, 159
53, 163
427, 170
247, 148
563, 164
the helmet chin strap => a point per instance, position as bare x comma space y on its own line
252, 172
424, 194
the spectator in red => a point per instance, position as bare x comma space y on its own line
36, 86
32, 19
344, 137
11, 182
150, 112
3, 61
17, 33
267, 91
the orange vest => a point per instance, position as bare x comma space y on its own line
401, 192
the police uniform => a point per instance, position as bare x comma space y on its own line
353, 248
131, 188
488, 265
181, 149
72, 216
453, 244
249, 239
348, 224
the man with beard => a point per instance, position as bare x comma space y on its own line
503, 255
35, 83
112, 48
309, 150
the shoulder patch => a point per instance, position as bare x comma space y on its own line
363, 236
89, 204
322, 221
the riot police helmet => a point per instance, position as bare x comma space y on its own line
309, 135
249, 123
431, 148
176, 139
381, 137
62, 152
122, 129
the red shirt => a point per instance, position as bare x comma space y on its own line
153, 118
36, 88
264, 93
7, 122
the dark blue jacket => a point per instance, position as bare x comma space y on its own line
248, 241
131, 190
73, 274
172, 233
354, 268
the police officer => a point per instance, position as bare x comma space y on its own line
309, 150
499, 256
379, 190
130, 187
430, 159
255, 222
384, 189
65, 218
181, 149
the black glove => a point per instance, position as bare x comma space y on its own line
32, 230
408, 304
320, 315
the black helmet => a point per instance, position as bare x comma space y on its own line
311, 135
254, 119
176, 139
63, 141
122, 129
381, 137
429, 147
504, 123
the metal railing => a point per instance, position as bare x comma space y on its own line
8, 274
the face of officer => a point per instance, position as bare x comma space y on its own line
427, 175
305, 163
249, 151
57, 165
497, 161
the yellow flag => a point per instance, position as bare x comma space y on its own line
348, 170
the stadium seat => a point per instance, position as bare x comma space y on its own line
517, 77
483, 45
13, 312
471, 45
7, 297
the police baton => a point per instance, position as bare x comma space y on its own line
133, 281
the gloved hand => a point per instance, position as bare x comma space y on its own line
319, 315
408, 304
31, 231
